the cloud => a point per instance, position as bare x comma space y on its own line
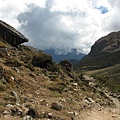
10, 9
47, 29
62, 24
60, 29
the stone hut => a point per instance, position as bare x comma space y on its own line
11, 35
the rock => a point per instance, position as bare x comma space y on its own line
89, 100
44, 102
3, 80
16, 111
52, 77
75, 84
50, 115
32, 112
12, 78
25, 111
70, 74
57, 106
16, 96
16, 69
6, 112
44, 71
10, 105
113, 95
4, 50
27, 118
92, 84
11, 35
32, 101
118, 97
88, 78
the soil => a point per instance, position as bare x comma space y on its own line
102, 113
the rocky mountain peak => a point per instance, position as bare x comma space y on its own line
11, 35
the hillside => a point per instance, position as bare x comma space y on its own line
33, 87
103, 61
104, 53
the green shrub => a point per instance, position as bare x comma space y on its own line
42, 60
111, 84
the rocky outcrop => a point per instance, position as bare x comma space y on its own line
11, 35
104, 53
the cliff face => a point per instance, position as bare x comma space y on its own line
104, 53
11, 35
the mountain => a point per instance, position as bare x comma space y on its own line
103, 61
104, 53
72, 56
34, 87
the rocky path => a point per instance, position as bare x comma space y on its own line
101, 113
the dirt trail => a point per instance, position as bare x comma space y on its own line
100, 113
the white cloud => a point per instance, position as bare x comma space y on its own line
10, 9
62, 24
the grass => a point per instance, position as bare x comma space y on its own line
109, 77
2, 86
110, 83
36, 84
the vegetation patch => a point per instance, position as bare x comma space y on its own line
42, 60
105, 81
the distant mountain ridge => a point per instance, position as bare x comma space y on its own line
72, 56
104, 53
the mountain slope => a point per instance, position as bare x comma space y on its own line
104, 53
32, 86
31, 90
103, 61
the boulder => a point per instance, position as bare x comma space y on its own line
57, 106
27, 118
11, 35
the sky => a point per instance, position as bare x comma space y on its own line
62, 24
